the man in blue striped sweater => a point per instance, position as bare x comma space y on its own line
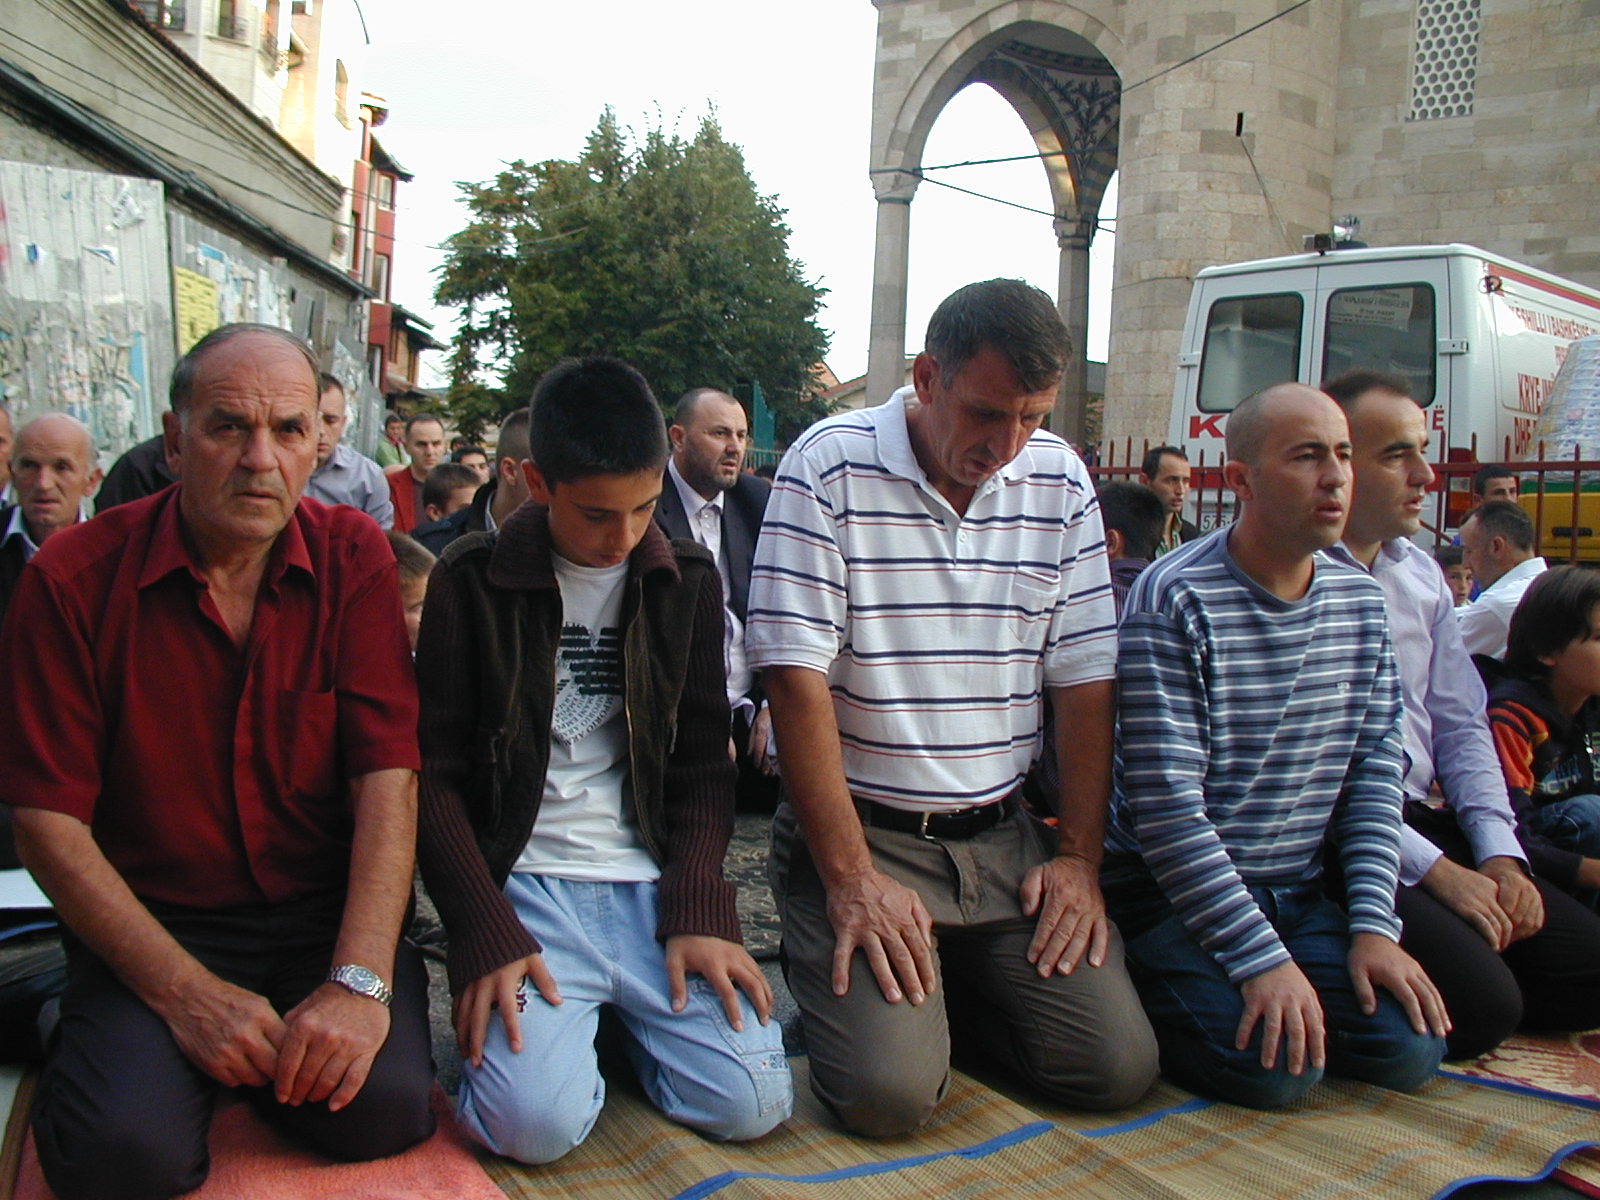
1260, 722
925, 570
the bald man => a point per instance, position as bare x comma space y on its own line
53, 471
1260, 716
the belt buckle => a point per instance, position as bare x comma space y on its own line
922, 827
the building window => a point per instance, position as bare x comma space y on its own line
269, 37
375, 366
165, 14
341, 93
1444, 60
380, 275
386, 190
229, 23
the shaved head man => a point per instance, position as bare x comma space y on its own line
53, 472
1260, 714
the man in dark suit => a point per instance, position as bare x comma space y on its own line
708, 498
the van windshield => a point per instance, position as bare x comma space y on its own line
1252, 342
1389, 328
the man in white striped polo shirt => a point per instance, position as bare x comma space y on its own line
925, 570
1259, 720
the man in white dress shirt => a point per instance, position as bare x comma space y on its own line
1497, 542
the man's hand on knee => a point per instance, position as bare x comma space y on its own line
1473, 897
330, 1040
1376, 962
1289, 1010
231, 1034
887, 922
1519, 898
1065, 893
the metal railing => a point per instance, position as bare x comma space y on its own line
1563, 505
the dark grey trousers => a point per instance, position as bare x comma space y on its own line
1080, 1040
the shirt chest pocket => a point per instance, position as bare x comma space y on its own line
1033, 599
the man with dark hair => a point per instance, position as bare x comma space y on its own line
446, 503
927, 570
579, 863
1165, 471
1494, 481
708, 498
1505, 949
342, 475
1134, 517
424, 443
475, 458
1497, 542
391, 446
235, 921
1260, 715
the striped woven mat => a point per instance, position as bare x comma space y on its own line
1344, 1141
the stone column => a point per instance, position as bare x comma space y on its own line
1071, 414
886, 347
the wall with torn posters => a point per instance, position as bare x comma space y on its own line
85, 300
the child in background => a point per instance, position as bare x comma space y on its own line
1456, 573
415, 563
577, 795
1545, 717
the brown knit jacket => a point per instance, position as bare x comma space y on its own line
486, 668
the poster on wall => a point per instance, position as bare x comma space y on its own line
194, 297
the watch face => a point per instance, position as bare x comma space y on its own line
360, 978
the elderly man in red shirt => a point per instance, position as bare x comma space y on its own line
217, 790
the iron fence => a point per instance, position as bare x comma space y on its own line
1560, 495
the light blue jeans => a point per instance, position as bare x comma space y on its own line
600, 945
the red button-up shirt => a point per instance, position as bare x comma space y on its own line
209, 774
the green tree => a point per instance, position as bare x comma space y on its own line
659, 250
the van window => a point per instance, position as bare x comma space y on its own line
1389, 328
1252, 342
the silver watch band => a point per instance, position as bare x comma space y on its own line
362, 981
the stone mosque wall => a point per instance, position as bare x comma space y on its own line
1432, 120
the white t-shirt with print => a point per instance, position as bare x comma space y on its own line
586, 827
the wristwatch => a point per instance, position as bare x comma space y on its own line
362, 982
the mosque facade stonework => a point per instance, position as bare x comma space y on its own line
1238, 130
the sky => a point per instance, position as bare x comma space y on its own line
791, 85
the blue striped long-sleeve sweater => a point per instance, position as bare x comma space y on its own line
1249, 728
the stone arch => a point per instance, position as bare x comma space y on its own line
1055, 64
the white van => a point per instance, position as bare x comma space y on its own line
1479, 337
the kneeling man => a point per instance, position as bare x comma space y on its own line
218, 794
1260, 716
926, 570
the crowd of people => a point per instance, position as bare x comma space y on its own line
1062, 785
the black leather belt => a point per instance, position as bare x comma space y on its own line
955, 824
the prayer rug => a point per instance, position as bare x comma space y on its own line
1344, 1142
1567, 1064
249, 1161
